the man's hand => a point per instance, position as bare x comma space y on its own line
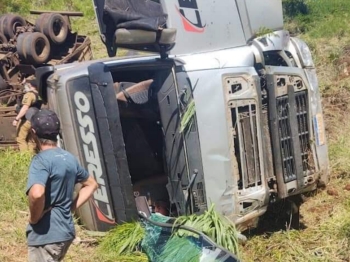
88, 188
22, 112
44, 212
15, 122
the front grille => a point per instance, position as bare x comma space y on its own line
266, 135
246, 145
285, 136
304, 136
288, 161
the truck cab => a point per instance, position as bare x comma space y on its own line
223, 109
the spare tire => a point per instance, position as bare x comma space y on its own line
3, 39
36, 48
20, 47
10, 24
55, 28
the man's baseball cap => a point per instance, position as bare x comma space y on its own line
46, 124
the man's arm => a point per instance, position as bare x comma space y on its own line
21, 113
89, 186
36, 197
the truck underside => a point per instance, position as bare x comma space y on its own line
22, 48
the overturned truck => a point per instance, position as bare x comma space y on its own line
24, 47
219, 114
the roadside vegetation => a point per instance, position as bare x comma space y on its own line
325, 216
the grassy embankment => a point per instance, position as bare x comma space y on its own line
326, 216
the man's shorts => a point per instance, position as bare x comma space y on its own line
48, 253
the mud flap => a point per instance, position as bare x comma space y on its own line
101, 149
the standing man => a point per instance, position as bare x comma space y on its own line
30, 104
53, 174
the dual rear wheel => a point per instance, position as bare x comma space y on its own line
34, 48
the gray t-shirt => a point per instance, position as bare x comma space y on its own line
59, 171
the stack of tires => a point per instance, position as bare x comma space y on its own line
8, 26
35, 47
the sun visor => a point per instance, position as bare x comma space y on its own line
135, 24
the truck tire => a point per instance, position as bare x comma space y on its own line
3, 39
1, 23
36, 48
20, 45
10, 24
55, 28
40, 21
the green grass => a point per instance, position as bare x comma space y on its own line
318, 18
326, 237
13, 204
13, 176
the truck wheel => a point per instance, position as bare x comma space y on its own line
10, 24
56, 28
20, 45
40, 21
2, 18
3, 39
36, 48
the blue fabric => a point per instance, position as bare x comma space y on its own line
58, 171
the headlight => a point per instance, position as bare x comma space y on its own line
303, 52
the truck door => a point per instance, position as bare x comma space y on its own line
85, 102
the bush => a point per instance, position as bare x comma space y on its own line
319, 18
293, 8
